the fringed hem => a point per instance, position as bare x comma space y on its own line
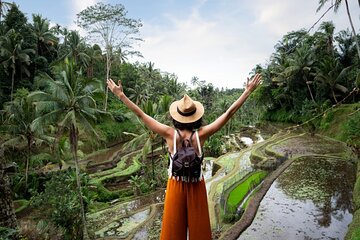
186, 179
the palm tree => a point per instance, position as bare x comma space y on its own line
3, 7
68, 102
13, 56
20, 116
300, 65
75, 48
45, 39
95, 55
173, 87
195, 81
221, 108
328, 28
346, 47
336, 8
146, 137
330, 72
139, 93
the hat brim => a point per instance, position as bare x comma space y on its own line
186, 119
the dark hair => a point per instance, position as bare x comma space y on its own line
188, 126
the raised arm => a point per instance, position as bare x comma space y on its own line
215, 126
155, 126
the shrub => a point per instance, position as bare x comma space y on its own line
113, 130
212, 146
7, 233
351, 130
60, 204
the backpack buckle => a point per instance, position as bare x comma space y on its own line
186, 164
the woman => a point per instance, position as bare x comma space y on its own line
185, 208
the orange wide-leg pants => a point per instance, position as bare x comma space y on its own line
185, 209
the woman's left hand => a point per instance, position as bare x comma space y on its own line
116, 89
252, 84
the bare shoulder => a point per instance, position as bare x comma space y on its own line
169, 134
203, 134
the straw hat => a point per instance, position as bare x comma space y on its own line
186, 110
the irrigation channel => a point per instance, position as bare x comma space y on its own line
312, 191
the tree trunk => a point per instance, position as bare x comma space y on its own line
333, 93
353, 28
12, 83
311, 95
152, 161
7, 213
55, 147
108, 68
27, 162
74, 142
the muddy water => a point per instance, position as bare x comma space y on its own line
119, 210
151, 231
310, 200
122, 227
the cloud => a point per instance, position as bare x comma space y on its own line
219, 50
75, 7
223, 46
79, 5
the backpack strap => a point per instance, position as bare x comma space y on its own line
198, 141
175, 132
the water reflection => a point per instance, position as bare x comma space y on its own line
310, 200
326, 182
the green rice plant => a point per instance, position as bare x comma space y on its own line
240, 192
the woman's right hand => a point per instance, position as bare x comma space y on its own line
116, 89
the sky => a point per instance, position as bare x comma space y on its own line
219, 41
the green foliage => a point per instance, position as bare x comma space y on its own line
307, 71
99, 193
280, 115
23, 204
42, 159
238, 193
60, 203
7, 233
326, 120
212, 146
230, 217
114, 131
351, 130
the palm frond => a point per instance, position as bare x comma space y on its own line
68, 119
46, 106
131, 134
341, 88
15, 142
89, 113
86, 101
87, 126
47, 118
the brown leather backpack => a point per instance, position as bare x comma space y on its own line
186, 163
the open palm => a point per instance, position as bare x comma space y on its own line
252, 84
116, 89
